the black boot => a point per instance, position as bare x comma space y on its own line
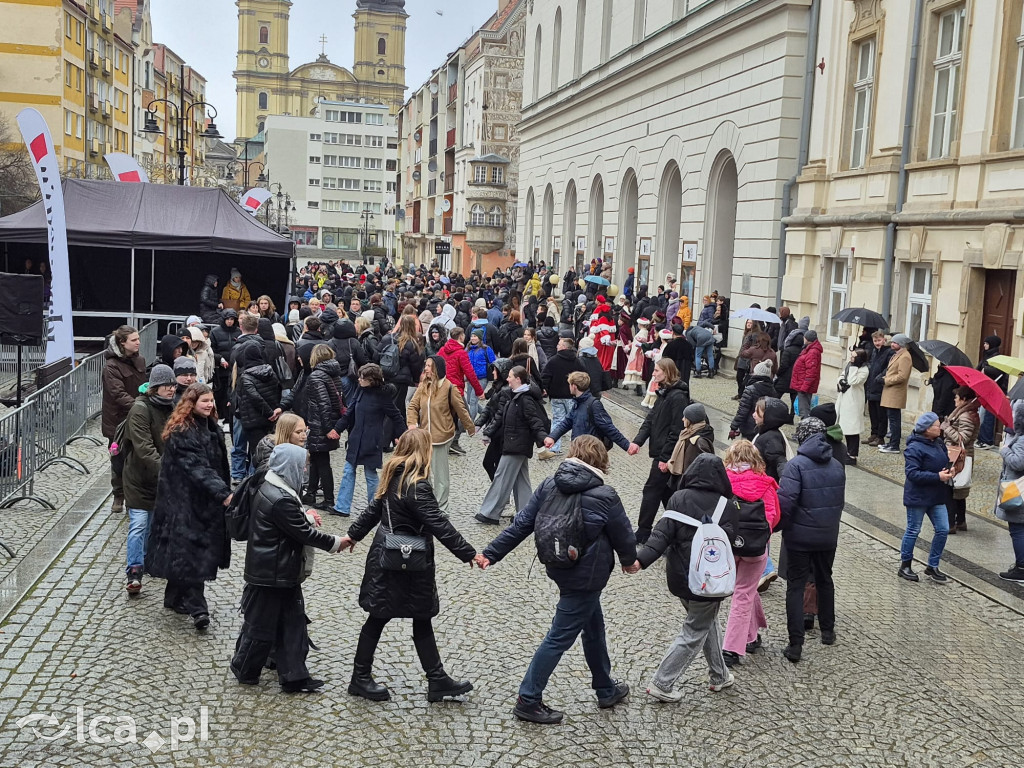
905, 571
439, 684
362, 683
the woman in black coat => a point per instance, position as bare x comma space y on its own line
187, 539
787, 359
222, 339
770, 413
325, 408
404, 503
498, 395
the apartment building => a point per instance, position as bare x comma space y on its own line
333, 179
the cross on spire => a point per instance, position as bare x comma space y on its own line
323, 45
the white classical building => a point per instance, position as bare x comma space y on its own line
338, 168
660, 134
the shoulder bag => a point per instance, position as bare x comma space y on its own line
402, 552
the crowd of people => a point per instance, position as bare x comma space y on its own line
395, 367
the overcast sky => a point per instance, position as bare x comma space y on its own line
205, 33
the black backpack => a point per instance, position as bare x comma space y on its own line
236, 518
558, 530
752, 529
389, 357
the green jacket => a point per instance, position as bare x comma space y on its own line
144, 443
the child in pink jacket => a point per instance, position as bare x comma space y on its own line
746, 470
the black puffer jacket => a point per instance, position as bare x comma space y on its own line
547, 338
608, 530
704, 483
520, 423
328, 319
346, 346
756, 388
998, 376
787, 359
324, 407
304, 347
368, 341
257, 396
812, 494
187, 539
410, 365
769, 440
665, 421
209, 300
222, 338
166, 348
879, 363
278, 530
393, 594
555, 377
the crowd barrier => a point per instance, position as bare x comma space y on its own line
36, 435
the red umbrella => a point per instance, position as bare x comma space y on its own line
989, 394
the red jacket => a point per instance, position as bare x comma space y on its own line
807, 369
458, 369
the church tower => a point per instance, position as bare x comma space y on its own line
380, 50
261, 71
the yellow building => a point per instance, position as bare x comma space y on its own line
64, 59
266, 85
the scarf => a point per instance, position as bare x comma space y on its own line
692, 431
154, 398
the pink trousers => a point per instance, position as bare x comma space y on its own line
746, 615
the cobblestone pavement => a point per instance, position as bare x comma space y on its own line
920, 675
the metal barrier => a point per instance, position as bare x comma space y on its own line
18, 459
148, 340
31, 358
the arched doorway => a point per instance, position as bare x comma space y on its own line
547, 225
670, 215
720, 226
568, 254
595, 232
528, 252
626, 245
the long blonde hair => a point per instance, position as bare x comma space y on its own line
412, 456
407, 332
286, 423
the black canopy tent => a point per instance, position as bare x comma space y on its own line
142, 251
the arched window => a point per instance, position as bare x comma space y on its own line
264, 35
536, 65
260, 126
556, 49
476, 216
263, 99
382, 46
494, 217
581, 23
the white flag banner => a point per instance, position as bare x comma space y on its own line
254, 198
60, 334
125, 168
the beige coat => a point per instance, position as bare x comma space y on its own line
897, 376
436, 412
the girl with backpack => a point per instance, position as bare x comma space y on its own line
325, 408
745, 469
705, 487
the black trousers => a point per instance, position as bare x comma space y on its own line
320, 476
492, 456
422, 637
800, 565
188, 596
879, 423
401, 390
741, 376
957, 509
853, 445
275, 619
657, 491
253, 437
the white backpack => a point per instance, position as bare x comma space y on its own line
712, 565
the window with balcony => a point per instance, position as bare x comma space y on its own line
919, 302
863, 91
947, 64
477, 216
494, 216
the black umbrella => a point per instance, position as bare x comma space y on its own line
917, 358
946, 353
1017, 390
860, 316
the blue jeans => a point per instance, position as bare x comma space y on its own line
239, 450
987, 431
138, 533
343, 504
576, 612
706, 351
769, 566
348, 388
1017, 537
940, 522
560, 407
472, 402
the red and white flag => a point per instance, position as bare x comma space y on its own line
125, 168
254, 198
60, 335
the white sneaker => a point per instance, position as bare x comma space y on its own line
669, 697
723, 685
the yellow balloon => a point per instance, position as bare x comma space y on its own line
581, 283
554, 279
613, 290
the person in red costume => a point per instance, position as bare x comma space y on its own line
604, 333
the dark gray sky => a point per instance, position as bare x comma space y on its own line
205, 33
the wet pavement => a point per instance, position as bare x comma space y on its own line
920, 675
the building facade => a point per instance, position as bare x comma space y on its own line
267, 85
468, 110
659, 136
66, 60
337, 169
912, 202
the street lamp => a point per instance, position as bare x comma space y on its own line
247, 164
182, 112
367, 218
283, 205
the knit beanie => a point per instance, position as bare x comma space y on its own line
810, 335
808, 427
587, 347
695, 413
902, 339
183, 365
293, 316
764, 368
162, 375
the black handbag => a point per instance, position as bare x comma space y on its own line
400, 551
